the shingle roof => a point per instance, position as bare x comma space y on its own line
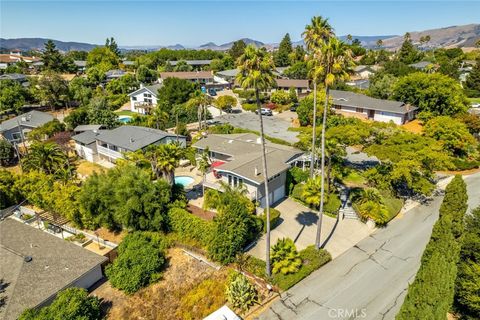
192, 62
87, 127
13, 76
55, 264
228, 73
115, 73
292, 83
32, 119
152, 88
133, 138
246, 154
187, 75
87, 137
80, 63
356, 100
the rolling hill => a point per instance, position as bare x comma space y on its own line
38, 44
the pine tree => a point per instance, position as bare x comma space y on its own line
52, 58
237, 49
112, 45
472, 85
284, 50
408, 53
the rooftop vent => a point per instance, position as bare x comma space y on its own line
230, 141
27, 259
131, 140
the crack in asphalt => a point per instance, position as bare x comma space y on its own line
384, 314
276, 314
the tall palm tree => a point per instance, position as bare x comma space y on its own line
256, 72
201, 101
311, 192
336, 64
315, 35
168, 158
45, 157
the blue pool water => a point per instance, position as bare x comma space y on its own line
184, 180
124, 119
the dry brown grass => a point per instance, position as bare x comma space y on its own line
414, 126
115, 237
161, 300
86, 168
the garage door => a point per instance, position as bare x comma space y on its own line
279, 194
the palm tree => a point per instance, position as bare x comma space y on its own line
203, 164
200, 101
336, 64
158, 118
315, 35
168, 157
256, 72
311, 193
45, 157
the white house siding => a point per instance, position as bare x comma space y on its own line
388, 116
140, 97
86, 152
89, 278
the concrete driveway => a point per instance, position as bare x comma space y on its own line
274, 126
299, 223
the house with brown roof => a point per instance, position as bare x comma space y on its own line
237, 160
300, 85
14, 57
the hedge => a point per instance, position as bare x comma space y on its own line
190, 227
249, 107
430, 296
274, 218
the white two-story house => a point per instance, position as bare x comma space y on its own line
144, 99
106, 146
237, 160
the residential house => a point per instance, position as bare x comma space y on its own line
81, 65
16, 129
361, 84
87, 127
228, 75
196, 64
14, 57
363, 72
20, 78
237, 160
106, 146
114, 74
202, 77
145, 98
36, 265
422, 65
353, 104
301, 86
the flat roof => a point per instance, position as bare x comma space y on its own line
55, 264
292, 83
356, 100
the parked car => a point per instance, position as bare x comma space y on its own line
212, 92
265, 112
475, 105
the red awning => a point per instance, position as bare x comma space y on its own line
217, 164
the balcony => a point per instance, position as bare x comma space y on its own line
214, 183
108, 152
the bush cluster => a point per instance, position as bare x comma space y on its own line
274, 219
189, 227
430, 296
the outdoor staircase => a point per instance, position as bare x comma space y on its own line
348, 213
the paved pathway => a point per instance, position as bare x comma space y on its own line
369, 280
300, 224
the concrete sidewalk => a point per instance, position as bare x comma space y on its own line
299, 223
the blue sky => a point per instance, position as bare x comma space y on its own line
193, 23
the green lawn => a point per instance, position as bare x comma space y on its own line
126, 113
474, 100
354, 179
394, 205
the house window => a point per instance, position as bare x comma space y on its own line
337, 107
240, 181
134, 98
229, 180
235, 181
359, 110
147, 95
16, 136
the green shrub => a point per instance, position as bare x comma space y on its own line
295, 176
465, 164
71, 303
333, 204
312, 259
190, 227
430, 296
280, 97
255, 266
393, 204
249, 106
284, 256
297, 191
140, 261
274, 219
205, 298
240, 292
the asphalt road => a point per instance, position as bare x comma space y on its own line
370, 280
273, 126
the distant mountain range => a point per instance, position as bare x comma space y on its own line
449, 37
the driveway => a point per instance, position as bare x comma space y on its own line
299, 223
274, 126
371, 279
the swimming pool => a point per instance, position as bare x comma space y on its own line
124, 119
184, 180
